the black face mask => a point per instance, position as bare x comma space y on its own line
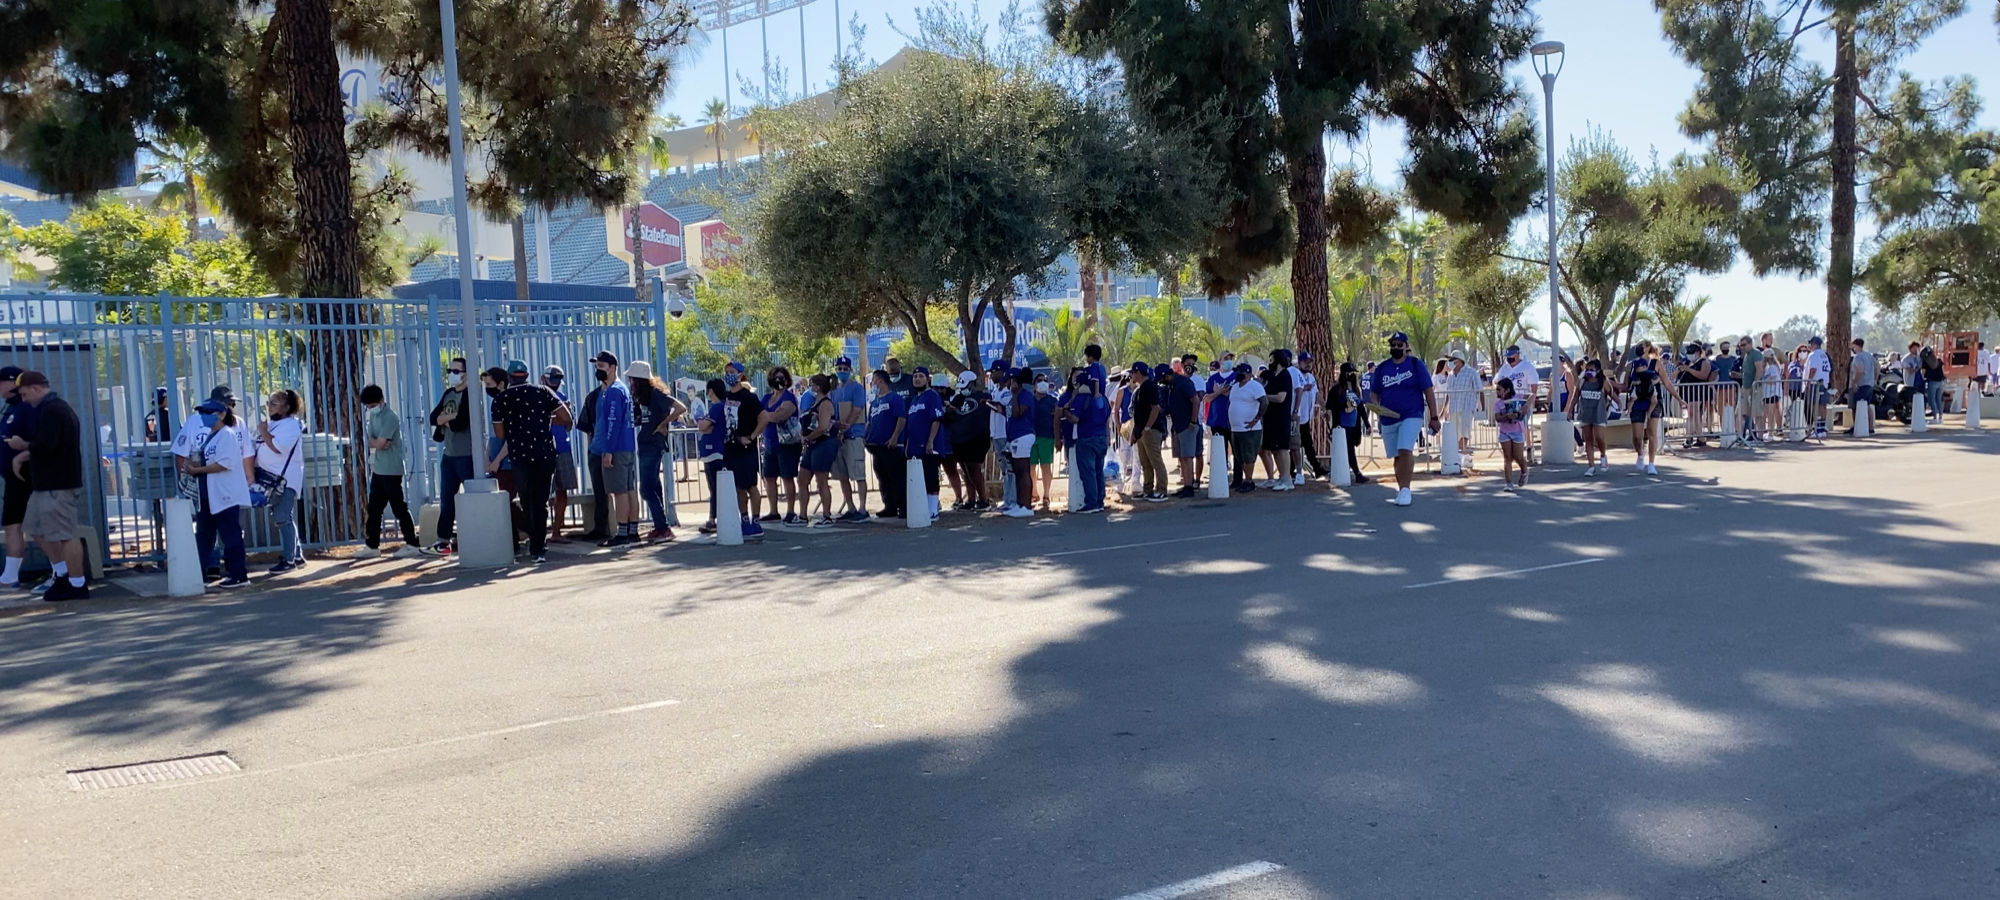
603, 375
1398, 352
493, 392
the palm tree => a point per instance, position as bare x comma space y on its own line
180, 166
1268, 326
1352, 319
1154, 323
1113, 335
655, 153
1677, 319
1427, 328
1205, 339
714, 117
1063, 341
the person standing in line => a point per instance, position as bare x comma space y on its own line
1726, 396
1590, 408
1344, 405
1463, 398
711, 428
1819, 371
524, 417
1093, 369
821, 424
1043, 457
654, 412
923, 436
970, 423
1861, 383
52, 464
383, 432
850, 465
564, 481
888, 415
1246, 401
281, 470
782, 447
1215, 411
493, 382
17, 424
998, 407
1183, 400
1020, 432
1509, 414
1305, 455
586, 421
1279, 430
1090, 413
1527, 380
222, 493
1404, 392
1692, 380
1932, 364
614, 448
899, 380
451, 425
744, 415
1149, 427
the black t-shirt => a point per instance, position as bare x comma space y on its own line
17, 421
1145, 399
1278, 413
647, 416
900, 383
526, 412
1181, 395
967, 419
748, 406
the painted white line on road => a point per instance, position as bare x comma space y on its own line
1560, 565
1130, 546
1966, 503
1207, 882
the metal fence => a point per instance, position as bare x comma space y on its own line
135, 367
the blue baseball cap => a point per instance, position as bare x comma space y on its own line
211, 405
1399, 336
1142, 369
921, 370
1514, 350
843, 361
734, 366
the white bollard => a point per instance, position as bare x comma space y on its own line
916, 500
1658, 425
728, 515
1336, 457
1864, 419
485, 526
1558, 440
1728, 418
1075, 482
1448, 460
1218, 467
1971, 411
183, 559
1919, 417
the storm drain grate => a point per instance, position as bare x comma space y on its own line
155, 772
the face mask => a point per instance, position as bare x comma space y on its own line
1041, 387
729, 379
454, 378
842, 376
493, 392
208, 420
1398, 352
603, 375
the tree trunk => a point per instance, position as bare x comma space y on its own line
1170, 281
520, 260
1086, 278
861, 364
1314, 321
1840, 259
638, 262
329, 238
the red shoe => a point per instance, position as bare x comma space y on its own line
658, 535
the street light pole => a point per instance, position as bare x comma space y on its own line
1558, 444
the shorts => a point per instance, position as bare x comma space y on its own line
851, 462
742, 464
15, 507
1279, 434
565, 478
51, 515
820, 455
1645, 411
1247, 444
1021, 447
1044, 451
972, 452
623, 473
1187, 443
782, 461
1400, 436
1864, 393
1521, 438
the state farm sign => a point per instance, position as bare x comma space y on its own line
660, 241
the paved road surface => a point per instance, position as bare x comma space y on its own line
1744, 679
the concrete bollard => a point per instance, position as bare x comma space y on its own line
1218, 467
485, 526
918, 500
1075, 482
183, 559
1448, 459
1336, 456
1972, 411
1728, 418
728, 515
1864, 419
1558, 440
1919, 417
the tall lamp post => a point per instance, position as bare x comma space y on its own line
1558, 443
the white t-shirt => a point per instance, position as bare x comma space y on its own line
227, 489
1990, 366
1820, 366
277, 456
1243, 404
1526, 379
1305, 393
190, 436
997, 422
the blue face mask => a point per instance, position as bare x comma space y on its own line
731, 379
841, 375
208, 420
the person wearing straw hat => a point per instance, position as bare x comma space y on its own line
654, 412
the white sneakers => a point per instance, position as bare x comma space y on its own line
1652, 469
1590, 472
408, 551
1019, 512
1299, 479
1402, 497
367, 553
1284, 485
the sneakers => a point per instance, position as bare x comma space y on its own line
232, 582
287, 566
1090, 510
707, 527
441, 548
1590, 472
770, 517
979, 505
1019, 512
620, 540
1509, 488
1284, 485
659, 534
1299, 479
823, 522
407, 551
62, 590
541, 558
1363, 479
1186, 492
794, 519
43, 587
1155, 497
1402, 497
854, 515
1652, 470
368, 553
753, 531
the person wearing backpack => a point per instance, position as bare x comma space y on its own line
823, 432
281, 473
783, 446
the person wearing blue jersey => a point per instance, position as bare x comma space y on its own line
850, 465
1089, 413
888, 415
923, 432
1406, 403
1020, 439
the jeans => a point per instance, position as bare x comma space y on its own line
891, 480
651, 487
452, 472
1934, 398
1090, 453
284, 517
532, 480
1152, 469
1006, 471
386, 491
228, 526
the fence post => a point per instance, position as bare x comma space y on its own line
1864, 419
728, 516
1075, 482
1971, 409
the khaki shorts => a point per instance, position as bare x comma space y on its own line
851, 463
622, 475
52, 515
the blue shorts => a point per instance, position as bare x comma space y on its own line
820, 454
1400, 436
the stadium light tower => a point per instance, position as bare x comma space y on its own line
719, 15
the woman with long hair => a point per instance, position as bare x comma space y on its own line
223, 494
782, 447
1590, 407
281, 470
1642, 382
821, 423
1344, 403
654, 412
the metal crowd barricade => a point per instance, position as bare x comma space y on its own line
135, 367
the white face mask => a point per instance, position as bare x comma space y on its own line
1041, 387
454, 378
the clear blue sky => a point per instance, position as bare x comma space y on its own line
1620, 76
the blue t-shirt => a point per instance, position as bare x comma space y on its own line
851, 393
614, 431
561, 432
1021, 415
1218, 408
923, 408
710, 445
1095, 372
1045, 415
1400, 386
1180, 401
883, 412
1093, 415
1351, 417
772, 402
